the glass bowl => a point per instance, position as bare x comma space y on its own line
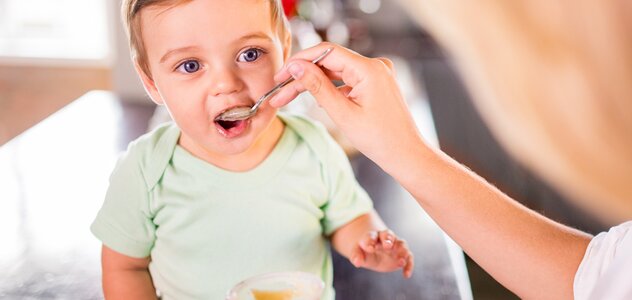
279, 286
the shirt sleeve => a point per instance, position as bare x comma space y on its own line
605, 265
124, 222
347, 200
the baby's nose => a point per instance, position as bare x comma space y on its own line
224, 81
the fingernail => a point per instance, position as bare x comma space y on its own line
388, 243
295, 70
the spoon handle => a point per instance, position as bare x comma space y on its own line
271, 92
287, 81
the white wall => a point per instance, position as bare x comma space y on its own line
125, 82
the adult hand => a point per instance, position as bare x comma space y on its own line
369, 108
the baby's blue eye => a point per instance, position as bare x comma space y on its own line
189, 66
250, 55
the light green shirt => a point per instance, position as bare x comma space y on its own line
206, 229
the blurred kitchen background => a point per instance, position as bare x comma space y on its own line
70, 102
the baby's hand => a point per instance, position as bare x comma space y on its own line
383, 252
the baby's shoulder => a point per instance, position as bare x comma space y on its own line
305, 127
314, 134
150, 154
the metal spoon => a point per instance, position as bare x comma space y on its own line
241, 113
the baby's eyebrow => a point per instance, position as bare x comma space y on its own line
174, 51
255, 35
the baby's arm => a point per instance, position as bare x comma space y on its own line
126, 277
367, 243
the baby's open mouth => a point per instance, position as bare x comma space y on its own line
231, 129
227, 125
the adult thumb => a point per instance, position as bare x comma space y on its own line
314, 80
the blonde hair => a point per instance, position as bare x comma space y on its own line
554, 82
130, 10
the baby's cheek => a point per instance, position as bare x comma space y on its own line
190, 119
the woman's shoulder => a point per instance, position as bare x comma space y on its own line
610, 242
607, 260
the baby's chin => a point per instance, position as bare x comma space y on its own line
211, 143
232, 148
234, 145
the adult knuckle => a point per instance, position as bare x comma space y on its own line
384, 65
328, 44
376, 63
386, 62
314, 85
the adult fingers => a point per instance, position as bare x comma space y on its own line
387, 62
284, 75
341, 63
286, 94
292, 90
313, 79
345, 90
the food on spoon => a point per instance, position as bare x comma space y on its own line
234, 114
272, 295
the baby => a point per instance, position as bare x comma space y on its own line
198, 205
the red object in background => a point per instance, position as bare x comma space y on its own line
289, 7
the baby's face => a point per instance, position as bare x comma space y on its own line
207, 56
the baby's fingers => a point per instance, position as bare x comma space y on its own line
405, 258
409, 266
357, 257
387, 239
369, 241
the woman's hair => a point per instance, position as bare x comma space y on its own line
130, 11
554, 82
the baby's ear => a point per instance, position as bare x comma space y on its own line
149, 85
287, 46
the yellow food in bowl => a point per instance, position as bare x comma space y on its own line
272, 295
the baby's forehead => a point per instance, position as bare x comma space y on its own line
218, 17
213, 9
207, 24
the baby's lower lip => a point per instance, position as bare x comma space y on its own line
236, 129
